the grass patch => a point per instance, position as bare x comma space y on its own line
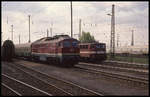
131, 59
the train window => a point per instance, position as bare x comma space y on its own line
82, 46
98, 46
102, 46
92, 46
74, 44
66, 44
86, 46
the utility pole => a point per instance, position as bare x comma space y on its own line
132, 40
71, 20
2, 38
112, 36
112, 41
12, 32
51, 31
51, 28
47, 33
117, 40
7, 19
19, 38
113, 31
80, 31
29, 29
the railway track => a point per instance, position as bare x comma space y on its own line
128, 69
67, 86
113, 75
21, 87
34, 81
126, 64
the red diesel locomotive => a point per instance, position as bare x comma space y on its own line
60, 49
95, 52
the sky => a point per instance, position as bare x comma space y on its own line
44, 15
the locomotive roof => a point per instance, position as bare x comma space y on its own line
52, 39
23, 45
90, 43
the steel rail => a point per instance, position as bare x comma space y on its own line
127, 64
17, 93
114, 67
24, 84
115, 75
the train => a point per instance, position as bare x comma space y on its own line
93, 52
7, 51
60, 49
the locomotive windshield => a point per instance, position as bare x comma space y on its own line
74, 43
98, 46
69, 44
66, 44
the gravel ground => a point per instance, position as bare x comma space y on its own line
95, 82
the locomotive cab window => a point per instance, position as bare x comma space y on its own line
102, 46
66, 44
74, 43
98, 46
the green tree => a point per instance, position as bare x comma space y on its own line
86, 37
